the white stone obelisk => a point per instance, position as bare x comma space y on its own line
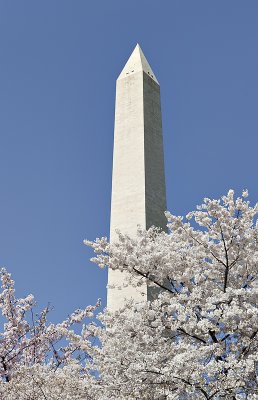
138, 181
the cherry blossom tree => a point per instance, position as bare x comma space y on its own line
198, 338
40, 360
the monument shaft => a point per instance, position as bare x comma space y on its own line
138, 181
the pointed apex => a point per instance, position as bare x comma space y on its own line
137, 62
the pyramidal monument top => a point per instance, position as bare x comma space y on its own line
137, 62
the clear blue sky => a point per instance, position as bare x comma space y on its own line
58, 64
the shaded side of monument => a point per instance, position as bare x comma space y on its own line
138, 179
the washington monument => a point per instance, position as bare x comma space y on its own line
138, 180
